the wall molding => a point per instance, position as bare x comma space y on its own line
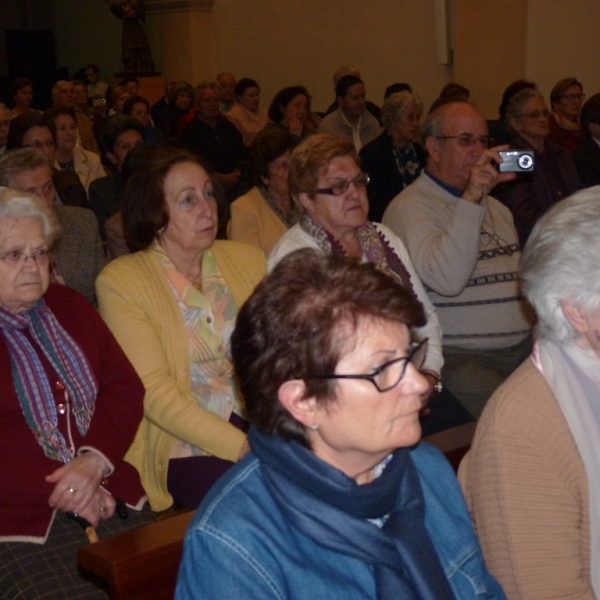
172, 6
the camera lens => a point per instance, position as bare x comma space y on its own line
525, 161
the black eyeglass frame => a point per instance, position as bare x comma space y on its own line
371, 377
345, 185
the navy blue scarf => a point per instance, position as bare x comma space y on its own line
331, 509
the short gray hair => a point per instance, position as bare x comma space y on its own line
205, 85
56, 89
395, 105
19, 205
517, 102
560, 262
22, 159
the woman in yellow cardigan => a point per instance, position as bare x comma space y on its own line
265, 213
172, 306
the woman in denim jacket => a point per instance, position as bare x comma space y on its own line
337, 498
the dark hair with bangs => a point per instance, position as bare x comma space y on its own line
296, 325
145, 210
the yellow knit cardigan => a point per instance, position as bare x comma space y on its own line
139, 307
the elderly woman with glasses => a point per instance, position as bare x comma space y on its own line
532, 477
70, 404
565, 123
554, 174
394, 159
329, 191
338, 499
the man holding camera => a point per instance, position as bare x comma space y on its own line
464, 246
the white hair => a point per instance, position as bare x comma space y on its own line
561, 261
20, 205
56, 90
395, 104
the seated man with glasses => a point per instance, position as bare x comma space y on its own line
464, 247
32, 130
554, 175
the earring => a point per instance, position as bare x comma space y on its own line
313, 427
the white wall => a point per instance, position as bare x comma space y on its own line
285, 42
281, 43
563, 40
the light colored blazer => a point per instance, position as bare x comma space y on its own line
87, 166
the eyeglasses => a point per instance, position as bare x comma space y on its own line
40, 145
18, 259
536, 114
573, 97
337, 189
467, 139
390, 374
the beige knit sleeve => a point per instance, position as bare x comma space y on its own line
528, 512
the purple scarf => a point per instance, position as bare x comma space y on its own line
31, 380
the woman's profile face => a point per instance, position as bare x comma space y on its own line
279, 169
250, 98
192, 209
183, 100
22, 284
66, 132
407, 126
349, 210
296, 109
120, 101
362, 425
534, 122
140, 112
570, 103
24, 96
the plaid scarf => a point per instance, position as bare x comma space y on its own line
375, 247
31, 380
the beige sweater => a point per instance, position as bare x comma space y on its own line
527, 491
139, 307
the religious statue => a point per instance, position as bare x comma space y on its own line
137, 57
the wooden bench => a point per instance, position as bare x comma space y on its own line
143, 563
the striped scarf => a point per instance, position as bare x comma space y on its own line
31, 380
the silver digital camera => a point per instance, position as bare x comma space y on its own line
516, 161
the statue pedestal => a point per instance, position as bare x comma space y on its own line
152, 87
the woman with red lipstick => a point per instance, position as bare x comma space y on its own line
67, 155
394, 159
172, 306
329, 192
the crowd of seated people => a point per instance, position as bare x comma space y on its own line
171, 231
